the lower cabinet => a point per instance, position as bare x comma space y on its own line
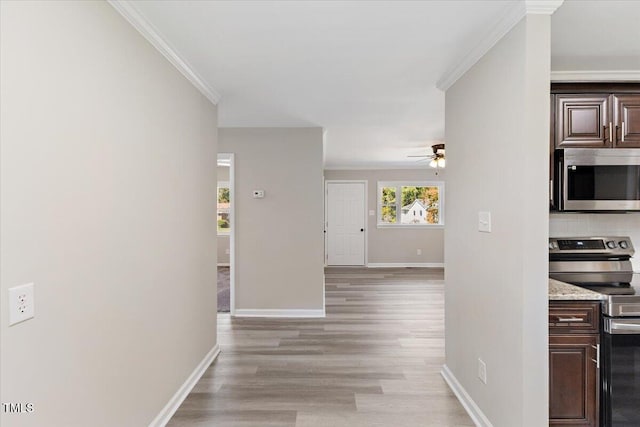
573, 380
573, 365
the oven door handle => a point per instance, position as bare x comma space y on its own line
623, 327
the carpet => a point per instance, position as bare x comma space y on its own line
224, 292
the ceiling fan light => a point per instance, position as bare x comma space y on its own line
433, 163
441, 162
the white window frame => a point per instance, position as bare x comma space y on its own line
399, 185
224, 184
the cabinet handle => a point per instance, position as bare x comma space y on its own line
570, 319
551, 192
610, 131
622, 135
597, 349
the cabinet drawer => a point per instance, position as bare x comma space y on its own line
574, 317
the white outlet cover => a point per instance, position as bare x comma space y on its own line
258, 194
21, 303
484, 222
372, 213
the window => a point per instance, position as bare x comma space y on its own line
224, 204
418, 204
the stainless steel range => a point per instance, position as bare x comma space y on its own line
603, 264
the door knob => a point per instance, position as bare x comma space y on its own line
362, 229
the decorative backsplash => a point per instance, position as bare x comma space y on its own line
588, 224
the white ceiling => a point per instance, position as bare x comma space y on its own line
365, 71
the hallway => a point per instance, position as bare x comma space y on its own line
375, 360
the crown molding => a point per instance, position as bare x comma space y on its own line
512, 15
149, 32
542, 7
595, 76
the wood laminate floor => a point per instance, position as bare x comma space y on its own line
375, 360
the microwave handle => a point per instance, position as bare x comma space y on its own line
560, 177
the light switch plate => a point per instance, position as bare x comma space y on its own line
372, 213
21, 303
482, 370
484, 222
258, 194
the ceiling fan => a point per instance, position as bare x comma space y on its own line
437, 158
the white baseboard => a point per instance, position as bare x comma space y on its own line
405, 264
241, 312
174, 403
476, 414
224, 264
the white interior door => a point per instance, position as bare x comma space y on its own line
345, 223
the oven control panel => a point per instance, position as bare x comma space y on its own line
610, 246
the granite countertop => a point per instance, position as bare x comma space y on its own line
560, 291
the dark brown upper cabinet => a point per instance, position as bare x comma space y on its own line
595, 115
582, 121
627, 120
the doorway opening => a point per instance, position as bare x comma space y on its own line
226, 227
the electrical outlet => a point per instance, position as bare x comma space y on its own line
227, 251
418, 251
21, 303
482, 370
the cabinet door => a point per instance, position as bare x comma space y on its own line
582, 121
573, 380
627, 120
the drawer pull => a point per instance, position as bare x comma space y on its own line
570, 319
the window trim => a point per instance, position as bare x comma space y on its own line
398, 185
223, 184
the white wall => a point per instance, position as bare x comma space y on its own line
585, 224
106, 204
497, 127
224, 258
279, 239
397, 245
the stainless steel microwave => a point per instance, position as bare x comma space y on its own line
597, 179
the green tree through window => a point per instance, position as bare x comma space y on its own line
388, 199
224, 204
